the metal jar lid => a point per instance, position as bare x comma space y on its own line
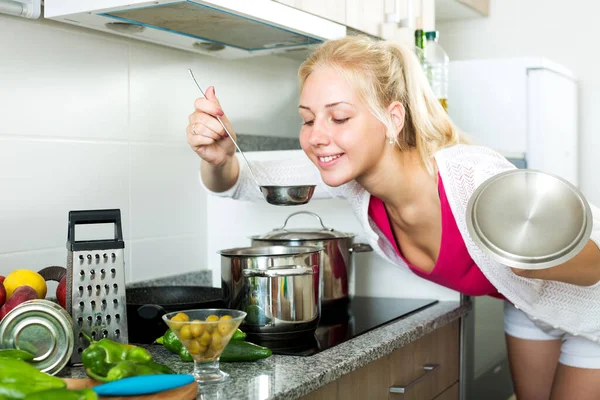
529, 219
42, 328
288, 234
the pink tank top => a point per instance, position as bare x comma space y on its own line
454, 267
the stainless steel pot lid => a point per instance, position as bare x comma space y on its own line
286, 234
269, 251
529, 219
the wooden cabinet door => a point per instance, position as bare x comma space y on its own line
425, 368
334, 10
452, 393
404, 368
370, 382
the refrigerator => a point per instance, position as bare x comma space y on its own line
526, 109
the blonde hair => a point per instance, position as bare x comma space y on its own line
382, 72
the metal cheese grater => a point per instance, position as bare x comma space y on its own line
96, 282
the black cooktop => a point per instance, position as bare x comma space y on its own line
344, 322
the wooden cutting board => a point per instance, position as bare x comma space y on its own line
187, 392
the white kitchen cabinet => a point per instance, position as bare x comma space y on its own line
386, 19
404, 16
362, 15
447, 10
334, 10
365, 15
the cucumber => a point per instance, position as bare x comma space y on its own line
238, 350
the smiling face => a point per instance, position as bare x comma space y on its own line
339, 133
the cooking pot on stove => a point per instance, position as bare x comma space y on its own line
336, 257
277, 286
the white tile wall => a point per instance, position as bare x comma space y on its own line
56, 83
43, 178
90, 121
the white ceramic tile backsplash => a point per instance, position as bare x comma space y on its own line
59, 84
161, 94
164, 256
90, 120
166, 198
42, 180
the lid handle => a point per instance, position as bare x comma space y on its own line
308, 213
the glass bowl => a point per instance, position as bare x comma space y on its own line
205, 333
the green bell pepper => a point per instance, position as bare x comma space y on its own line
159, 367
63, 394
103, 361
116, 351
238, 335
125, 368
94, 361
16, 354
172, 343
18, 379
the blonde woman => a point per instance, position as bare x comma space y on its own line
374, 133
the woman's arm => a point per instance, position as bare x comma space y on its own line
294, 168
219, 178
582, 270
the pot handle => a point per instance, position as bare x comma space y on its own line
275, 272
308, 213
360, 248
151, 312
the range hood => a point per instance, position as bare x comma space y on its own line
226, 29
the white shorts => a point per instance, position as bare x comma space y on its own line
575, 351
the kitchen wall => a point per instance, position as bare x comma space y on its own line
560, 31
92, 121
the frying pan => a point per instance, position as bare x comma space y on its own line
146, 306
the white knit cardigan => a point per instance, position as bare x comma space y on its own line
574, 309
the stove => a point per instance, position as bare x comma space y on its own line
342, 323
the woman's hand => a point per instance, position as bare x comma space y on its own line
582, 270
205, 133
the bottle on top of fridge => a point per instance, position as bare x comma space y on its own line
438, 64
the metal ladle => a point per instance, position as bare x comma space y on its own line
276, 195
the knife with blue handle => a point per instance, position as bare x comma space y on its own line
143, 384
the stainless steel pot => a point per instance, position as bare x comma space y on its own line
335, 259
277, 286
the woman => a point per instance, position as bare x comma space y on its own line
379, 138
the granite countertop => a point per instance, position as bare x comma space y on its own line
291, 377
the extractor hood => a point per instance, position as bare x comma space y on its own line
226, 29
21, 8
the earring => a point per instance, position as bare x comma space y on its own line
391, 140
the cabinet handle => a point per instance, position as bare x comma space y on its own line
403, 389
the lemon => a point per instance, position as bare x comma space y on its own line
25, 277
